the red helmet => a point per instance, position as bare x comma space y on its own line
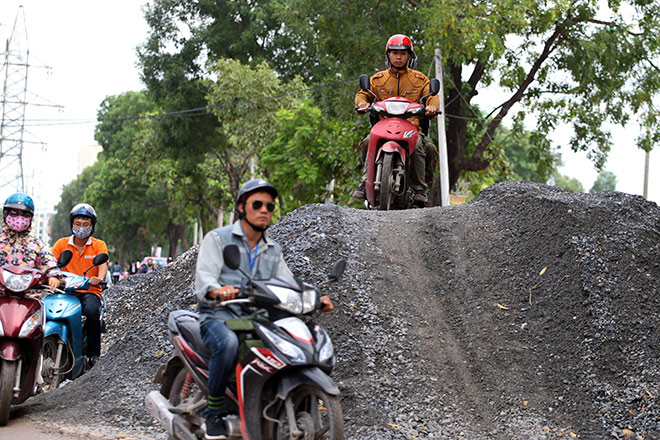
400, 42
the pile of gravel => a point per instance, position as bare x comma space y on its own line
529, 313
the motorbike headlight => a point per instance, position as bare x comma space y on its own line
309, 300
17, 283
326, 352
396, 108
290, 300
287, 348
73, 282
33, 322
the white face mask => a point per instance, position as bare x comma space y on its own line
82, 233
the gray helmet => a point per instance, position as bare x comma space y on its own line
248, 188
255, 185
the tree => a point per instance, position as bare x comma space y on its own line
606, 181
568, 183
576, 62
311, 152
558, 59
245, 101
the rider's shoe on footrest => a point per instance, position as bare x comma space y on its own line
92, 361
215, 427
421, 199
359, 194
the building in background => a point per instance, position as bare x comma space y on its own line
87, 156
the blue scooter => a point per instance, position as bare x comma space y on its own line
65, 339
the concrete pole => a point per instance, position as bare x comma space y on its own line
443, 162
646, 176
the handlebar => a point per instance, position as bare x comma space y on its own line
371, 109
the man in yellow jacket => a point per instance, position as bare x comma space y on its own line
400, 79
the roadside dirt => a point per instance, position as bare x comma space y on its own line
529, 313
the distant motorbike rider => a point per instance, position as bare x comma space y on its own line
17, 246
400, 79
82, 220
214, 282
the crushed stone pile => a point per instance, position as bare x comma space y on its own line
529, 313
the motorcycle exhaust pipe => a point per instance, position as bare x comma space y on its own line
175, 425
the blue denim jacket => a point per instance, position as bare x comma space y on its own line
212, 273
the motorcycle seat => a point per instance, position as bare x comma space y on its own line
186, 324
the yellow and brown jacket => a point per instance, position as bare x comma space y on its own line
410, 84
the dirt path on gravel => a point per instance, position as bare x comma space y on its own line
446, 257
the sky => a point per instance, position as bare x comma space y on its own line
79, 53
82, 51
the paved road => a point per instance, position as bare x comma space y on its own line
21, 427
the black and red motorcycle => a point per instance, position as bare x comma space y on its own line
281, 388
392, 141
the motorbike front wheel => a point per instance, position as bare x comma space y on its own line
318, 415
7, 379
53, 366
386, 181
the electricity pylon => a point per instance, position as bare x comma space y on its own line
14, 75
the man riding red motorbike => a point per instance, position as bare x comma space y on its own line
400, 79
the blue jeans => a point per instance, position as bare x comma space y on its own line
223, 344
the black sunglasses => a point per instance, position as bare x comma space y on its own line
16, 213
257, 204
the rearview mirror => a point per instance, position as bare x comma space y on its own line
364, 82
434, 87
337, 270
65, 258
100, 259
232, 256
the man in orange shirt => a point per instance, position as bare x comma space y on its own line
85, 247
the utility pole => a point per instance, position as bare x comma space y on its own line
645, 191
443, 162
646, 176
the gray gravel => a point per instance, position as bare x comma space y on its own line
529, 313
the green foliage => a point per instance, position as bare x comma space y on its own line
308, 159
568, 183
576, 62
606, 181
529, 154
242, 100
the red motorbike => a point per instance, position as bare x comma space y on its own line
391, 143
22, 321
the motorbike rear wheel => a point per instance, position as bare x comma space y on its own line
53, 366
318, 415
185, 392
7, 379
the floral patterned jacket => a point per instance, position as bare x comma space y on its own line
24, 249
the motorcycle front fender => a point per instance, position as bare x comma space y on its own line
392, 147
58, 329
308, 376
10, 350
